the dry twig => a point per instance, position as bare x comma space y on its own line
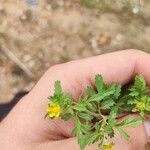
11, 56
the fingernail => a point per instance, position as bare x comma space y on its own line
147, 127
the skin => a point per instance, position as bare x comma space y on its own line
25, 127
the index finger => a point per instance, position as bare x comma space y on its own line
117, 67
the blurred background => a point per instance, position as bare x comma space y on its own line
36, 34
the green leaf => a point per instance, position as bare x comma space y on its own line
134, 92
81, 128
82, 140
117, 90
77, 127
99, 83
66, 116
106, 104
70, 110
97, 126
112, 116
123, 133
110, 132
139, 88
58, 89
123, 105
104, 94
90, 91
80, 131
65, 101
131, 101
85, 116
130, 122
85, 128
81, 106
140, 83
92, 107
92, 138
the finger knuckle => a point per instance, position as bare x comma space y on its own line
136, 52
56, 69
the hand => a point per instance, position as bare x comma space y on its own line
25, 128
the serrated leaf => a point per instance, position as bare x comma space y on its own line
123, 133
70, 110
92, 138
66, 116
106, 104
117, 90
85, 116
85, 128
139, 87
134, 92
123, 103
92, 107
140, 82
77, 127
81, 106
112, 117
77, 131
90, 91
131, 101
58, 88
99, 83
110, 132
130, 122
100, 96
82, 140
81, 128
65, 101
97, 127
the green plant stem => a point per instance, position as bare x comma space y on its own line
92, 113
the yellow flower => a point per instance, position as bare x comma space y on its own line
109, 146
53, 110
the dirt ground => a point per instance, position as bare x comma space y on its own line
57, 31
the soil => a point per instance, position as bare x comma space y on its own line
53, 32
